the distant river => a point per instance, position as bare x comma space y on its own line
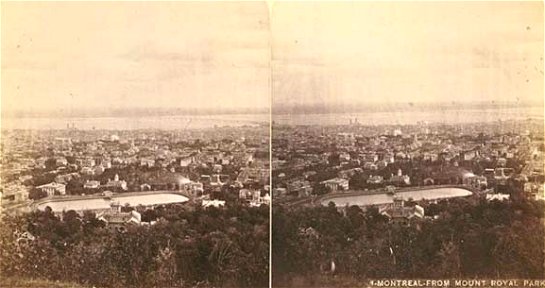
449, 116
208, 121
416, 195
135, 123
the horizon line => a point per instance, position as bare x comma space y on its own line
276, 109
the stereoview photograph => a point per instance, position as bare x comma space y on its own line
272, 144
135, 144
407, 144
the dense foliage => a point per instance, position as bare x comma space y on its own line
204, 248
469, 238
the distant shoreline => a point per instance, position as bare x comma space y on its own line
277, 109
411, 117
127, 113
399, 106
162, 122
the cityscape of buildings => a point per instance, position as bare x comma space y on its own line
223, 164
489, 158
485, 156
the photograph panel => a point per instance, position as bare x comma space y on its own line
135, 144
407, 144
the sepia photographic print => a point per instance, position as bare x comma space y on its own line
272, 144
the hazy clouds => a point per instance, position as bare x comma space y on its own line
140, 54
412, 52
103, 55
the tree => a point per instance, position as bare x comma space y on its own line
36, 194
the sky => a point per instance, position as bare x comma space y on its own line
59, 56
385, 53
62, 56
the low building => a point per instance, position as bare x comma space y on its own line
61, 161
265, 199
213, 203
87, 171
397, 212
376, 179
336, 184
400, 179
93, 184
370, 166
14, 193
186, 161
247, 194
343, 157
217, 168
501, 175
369, 157
469, 155
196, 188
88, 162
53, 188
117, 220
300, 187
382, 164
279, 192
499, 197
149, 162
347, 174
65, 178
106, 163
478, 182
206, 178
253, 197
534, 190
116, 183
215, 180
254, 175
